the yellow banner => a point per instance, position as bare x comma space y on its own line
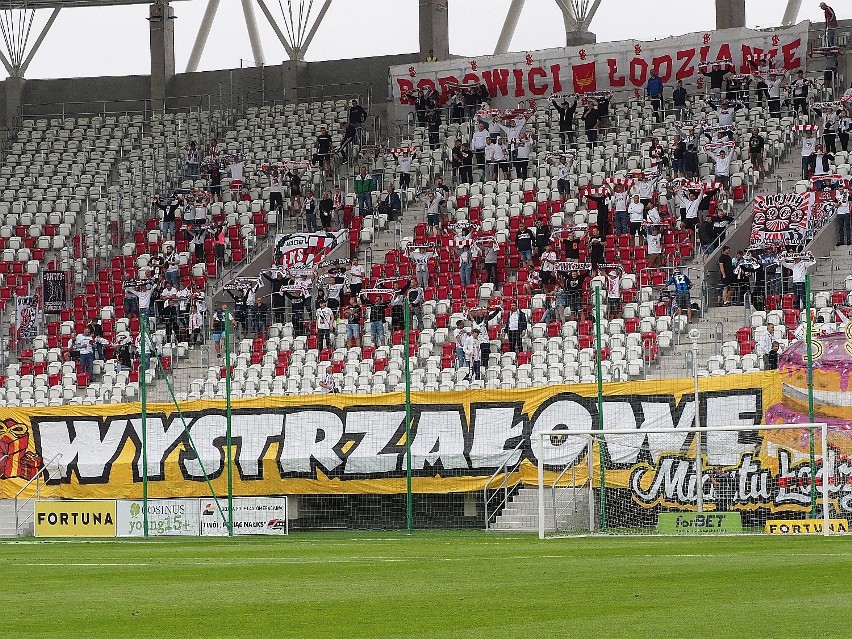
77, 518
804, 526
339, 444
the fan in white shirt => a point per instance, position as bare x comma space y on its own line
620, 200
636, 214
654, 241
652, 215
325, 318
809, 143
636, 210
613, 285
548, 261
479, 139
722, 157
513, 128
646, 187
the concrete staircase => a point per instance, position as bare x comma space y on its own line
7, 518
831, 271
521, 513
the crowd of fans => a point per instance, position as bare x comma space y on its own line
649, 207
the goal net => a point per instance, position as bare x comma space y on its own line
645, 481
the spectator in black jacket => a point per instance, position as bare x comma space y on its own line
603, 214
690, 162
678, 152
350, 134
770, 359
566, 120
169, 317
720, 224
800, 87
756, 146
466, 167
433, 126
591, 118
717, 75
679, 100
391, 205
603, 110
325, 148
357, 117
542, 236
259, 314
524, 243
377, 318
471, 100
276, 281
707, 235
326, 211
169, 207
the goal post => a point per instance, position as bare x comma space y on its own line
754, 479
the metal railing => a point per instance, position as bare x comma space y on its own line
574, 495
504, 488
40, 483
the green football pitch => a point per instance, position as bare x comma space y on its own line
430, 585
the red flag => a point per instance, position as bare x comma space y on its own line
585, 79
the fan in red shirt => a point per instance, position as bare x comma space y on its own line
830, 24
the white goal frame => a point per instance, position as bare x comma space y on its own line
590, 434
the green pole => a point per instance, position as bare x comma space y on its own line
143, 396
409, 501
186, 431
809, 345
228, 422
601, 443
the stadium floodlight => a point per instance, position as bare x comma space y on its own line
656, 493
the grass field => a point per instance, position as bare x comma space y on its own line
432, 585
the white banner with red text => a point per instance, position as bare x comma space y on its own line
622, 66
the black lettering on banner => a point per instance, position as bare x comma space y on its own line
372, 445
310, 437
209, 434
496, 430
164, 434
86, 447
252, 435
456, 440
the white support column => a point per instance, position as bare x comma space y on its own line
314, 28
509, 26
587, 22
9, 68
272, 23
568, 15
791, 13
39, 40
577, 27
254, 38
201, 37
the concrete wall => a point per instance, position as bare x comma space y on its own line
227, 88
371, 72
85, 95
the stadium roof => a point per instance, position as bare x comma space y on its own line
62, 4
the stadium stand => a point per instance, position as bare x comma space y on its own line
76, 195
